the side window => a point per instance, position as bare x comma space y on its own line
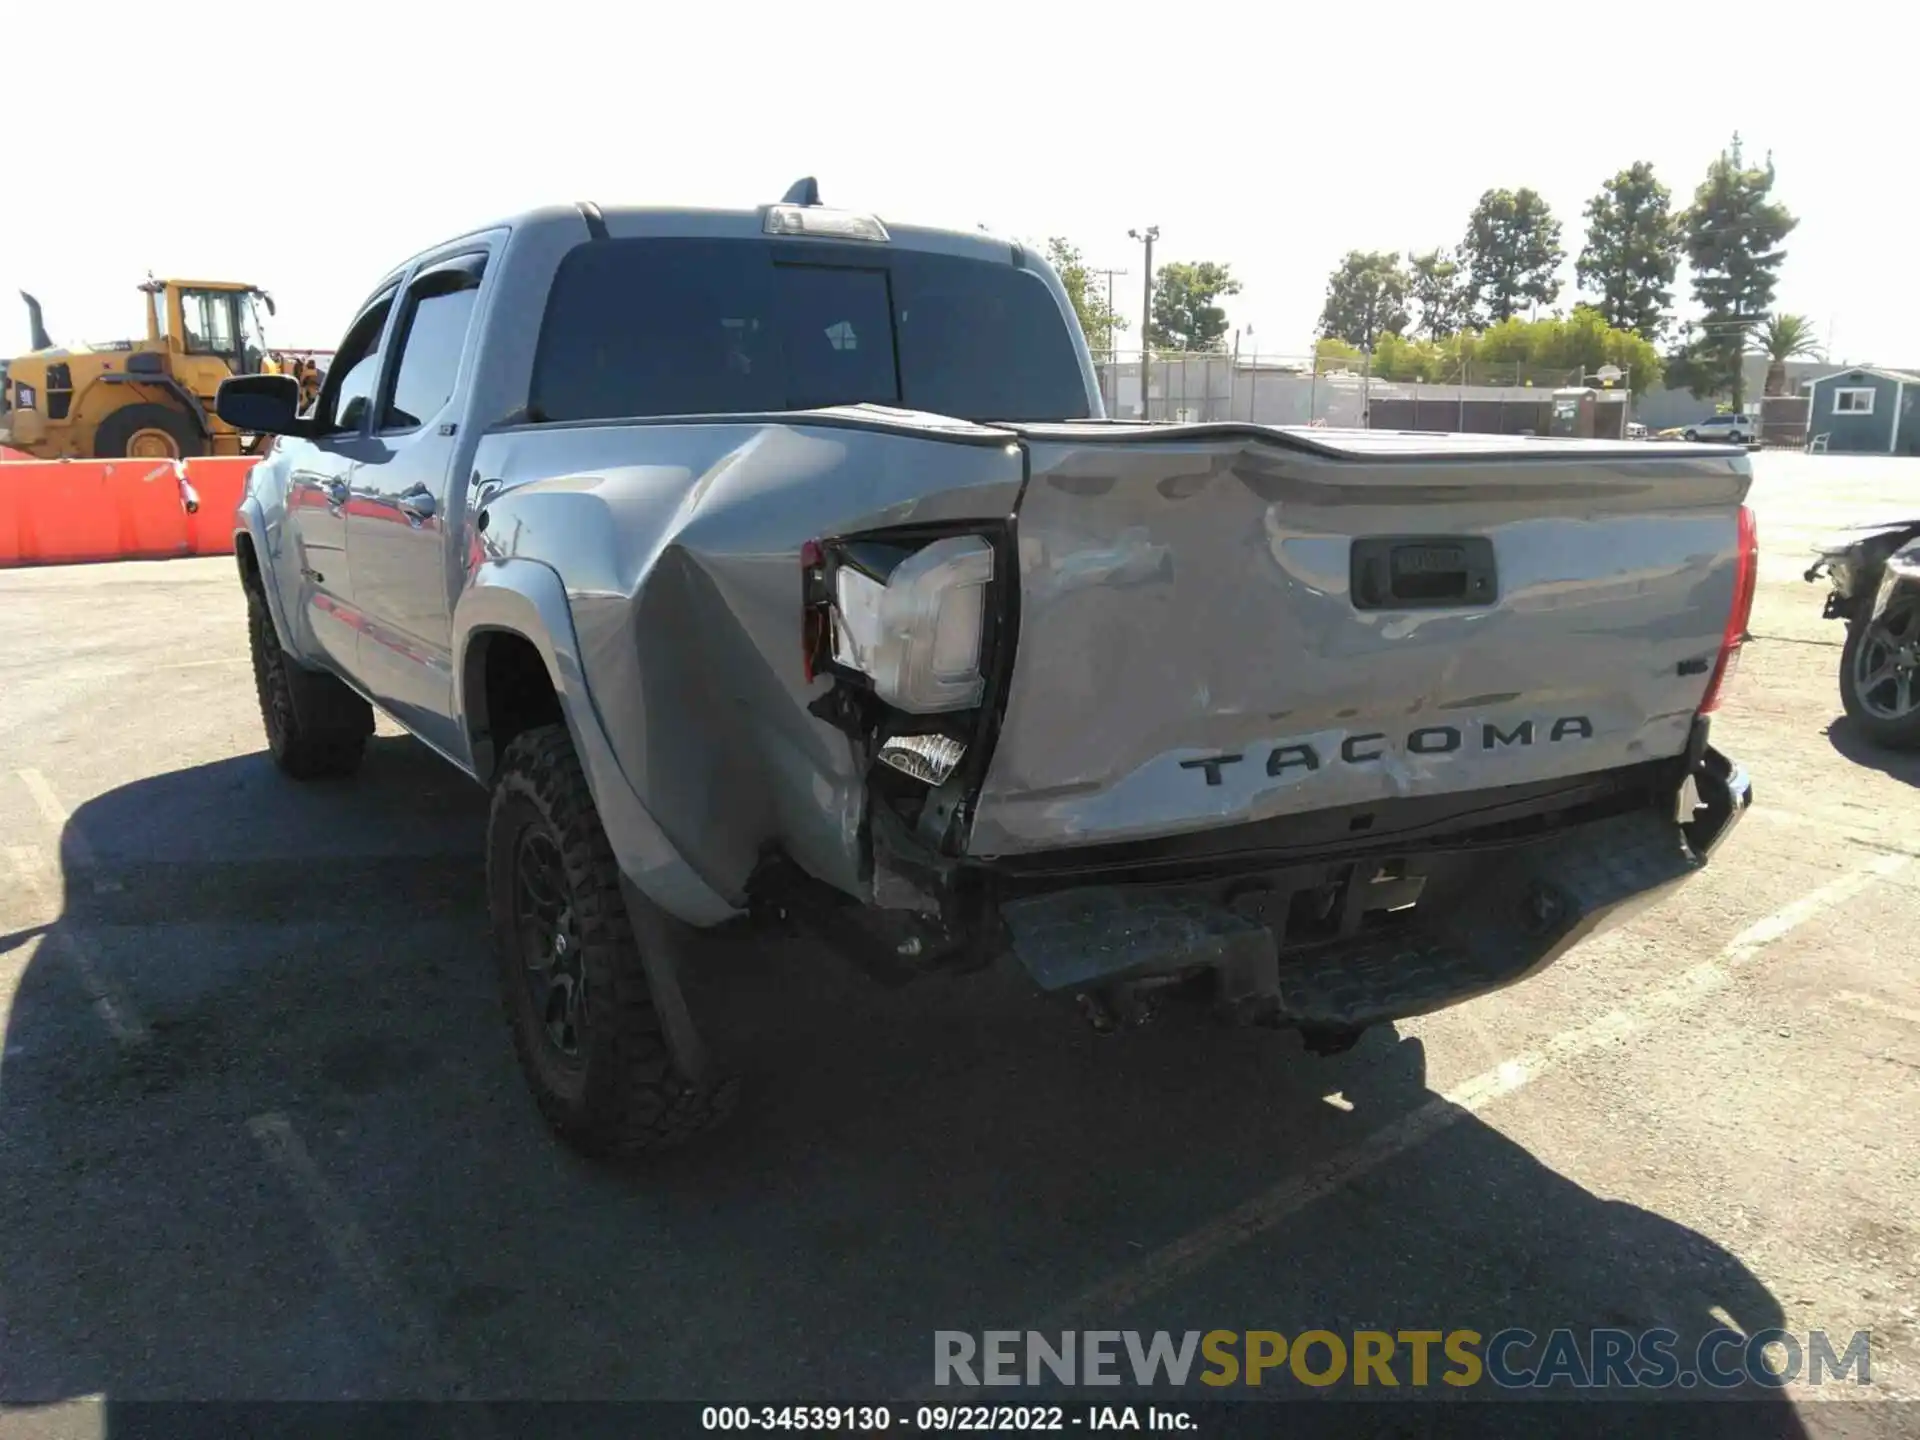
432, 335
355, 370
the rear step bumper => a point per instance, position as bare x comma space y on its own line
1514, 912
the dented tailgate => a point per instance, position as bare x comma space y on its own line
1228, 624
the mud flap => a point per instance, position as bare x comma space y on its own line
661, 940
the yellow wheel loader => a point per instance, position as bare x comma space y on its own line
152, 398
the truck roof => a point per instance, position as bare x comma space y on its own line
625, 222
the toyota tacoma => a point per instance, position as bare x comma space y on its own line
778, 566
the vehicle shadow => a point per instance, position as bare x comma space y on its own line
301, 1165
1846, 737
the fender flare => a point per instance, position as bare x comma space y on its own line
251, 523
526, 598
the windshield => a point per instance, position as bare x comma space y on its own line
717, 327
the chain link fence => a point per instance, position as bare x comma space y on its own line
1482, 396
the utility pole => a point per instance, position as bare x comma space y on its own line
1146, 237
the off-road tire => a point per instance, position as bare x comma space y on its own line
112, 436
624, 1095
1901, 733
316, 727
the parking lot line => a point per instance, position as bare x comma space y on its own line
110, 1003
70, 835
1110, 1298
352, 1252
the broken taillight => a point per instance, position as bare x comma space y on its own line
908, 617
813, 615
1745, 579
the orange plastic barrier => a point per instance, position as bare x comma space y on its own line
218, 481
58, 512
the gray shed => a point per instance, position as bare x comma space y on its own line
1865, 411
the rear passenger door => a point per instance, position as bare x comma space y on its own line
401, 534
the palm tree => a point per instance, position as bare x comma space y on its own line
1781, 339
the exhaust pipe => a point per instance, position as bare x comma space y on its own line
36, 330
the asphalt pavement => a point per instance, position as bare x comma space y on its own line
262, 1137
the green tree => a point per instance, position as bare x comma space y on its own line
1098, 321
1633, 247
1783, 338
1556, 350
1691, 366
1366, 298
1331, 354
1512, 253
1184, 315
1733, 233
1438, 285
1402, 359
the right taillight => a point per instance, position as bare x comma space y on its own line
1746, 577
909, 620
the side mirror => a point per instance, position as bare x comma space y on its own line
261, 404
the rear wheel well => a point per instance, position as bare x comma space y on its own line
508, 692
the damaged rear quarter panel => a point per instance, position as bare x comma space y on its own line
679, 545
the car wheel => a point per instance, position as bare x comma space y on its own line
578, 1003
316, 727
1692, 435
1880, 675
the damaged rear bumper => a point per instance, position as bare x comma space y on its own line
1379, 939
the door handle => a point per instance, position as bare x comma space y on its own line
416, 506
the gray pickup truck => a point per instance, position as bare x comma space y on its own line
778, 566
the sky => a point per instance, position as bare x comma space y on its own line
309, 149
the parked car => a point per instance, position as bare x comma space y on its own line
1725, 430
777, 567
1873, 575
1636, 431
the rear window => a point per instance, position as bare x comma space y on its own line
716, 327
